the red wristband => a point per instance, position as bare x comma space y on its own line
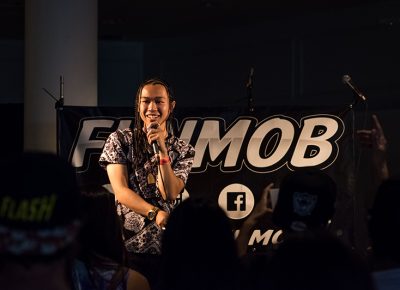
164, 160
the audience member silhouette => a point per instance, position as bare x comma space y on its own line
39, 222
384, 224
305, 205
306, 202
199, 250
315, 261
101, 257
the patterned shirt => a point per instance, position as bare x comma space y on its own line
98, 278
141, 235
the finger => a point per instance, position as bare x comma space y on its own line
150, 139
269, 186
153, 125
266, 193
152, 136
365, 138
364, 135
377, 125
266, 190
363, 132
152, 132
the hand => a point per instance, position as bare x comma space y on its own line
260, 210
156, 134
162, 218
373, 138
263, 205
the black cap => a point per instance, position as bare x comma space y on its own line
306, 200
39, 204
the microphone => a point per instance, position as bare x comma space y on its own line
154, 144
249, 87
61, 100
250, 81
346, 79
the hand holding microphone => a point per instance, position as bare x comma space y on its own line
150, 131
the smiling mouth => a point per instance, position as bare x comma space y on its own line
152, 117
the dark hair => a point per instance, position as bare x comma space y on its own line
385, 220
199, 242
317, 261
139, 137
100, 240
101, 230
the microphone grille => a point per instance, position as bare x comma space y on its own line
346, 79
152, 126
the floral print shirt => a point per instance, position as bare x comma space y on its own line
141, 235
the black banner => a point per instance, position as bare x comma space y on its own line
237, 153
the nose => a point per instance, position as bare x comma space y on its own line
152, 106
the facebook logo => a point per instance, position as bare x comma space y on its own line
236, 201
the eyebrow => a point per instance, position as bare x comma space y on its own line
157, 97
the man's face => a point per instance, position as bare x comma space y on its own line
154, 105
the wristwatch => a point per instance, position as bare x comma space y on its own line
151, 214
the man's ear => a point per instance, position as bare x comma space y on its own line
172, 106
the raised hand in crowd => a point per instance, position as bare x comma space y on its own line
262, 208
374, 138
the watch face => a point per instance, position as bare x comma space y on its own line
151, 215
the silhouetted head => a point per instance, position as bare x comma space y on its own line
317, 261
385, 220
199, 250
306, 200
101, 233
39, 206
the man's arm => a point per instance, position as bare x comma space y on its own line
169, 184
118, 176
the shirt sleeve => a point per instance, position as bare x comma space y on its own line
182, 165
113, 150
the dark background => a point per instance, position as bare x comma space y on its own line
299, 51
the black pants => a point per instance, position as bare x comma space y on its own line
149, 265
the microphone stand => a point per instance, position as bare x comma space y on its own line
351, 106
355, 164
249, 87
59, 105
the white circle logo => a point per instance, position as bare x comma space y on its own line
236, 200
